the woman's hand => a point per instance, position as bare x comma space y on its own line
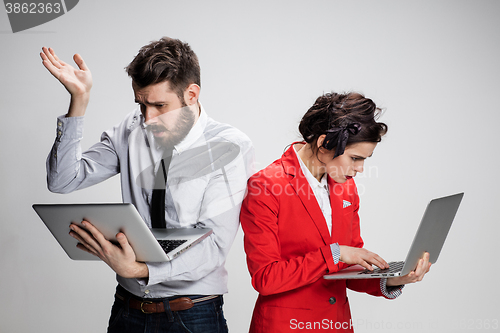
360, 256
417, 275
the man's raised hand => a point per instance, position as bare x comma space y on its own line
77, 81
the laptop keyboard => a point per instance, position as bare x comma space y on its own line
168, 245
394, 267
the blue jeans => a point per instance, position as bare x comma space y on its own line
204, 317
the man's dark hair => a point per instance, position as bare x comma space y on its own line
169, 60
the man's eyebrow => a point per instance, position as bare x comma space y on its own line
149, 103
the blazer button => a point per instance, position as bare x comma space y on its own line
332, 300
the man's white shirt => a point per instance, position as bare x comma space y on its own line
198, 195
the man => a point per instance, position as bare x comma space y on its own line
178, 167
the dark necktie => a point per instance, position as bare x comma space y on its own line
158, 197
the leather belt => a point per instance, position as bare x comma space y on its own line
178, 304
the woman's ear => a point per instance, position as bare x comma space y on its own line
320, 141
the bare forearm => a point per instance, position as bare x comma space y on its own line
78, 105
141, 271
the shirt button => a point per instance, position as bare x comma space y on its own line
146, 292
332, 300
59, 132
59, 123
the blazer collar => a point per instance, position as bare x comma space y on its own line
301, 187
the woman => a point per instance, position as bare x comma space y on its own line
300, 219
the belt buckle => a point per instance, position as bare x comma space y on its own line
144, 311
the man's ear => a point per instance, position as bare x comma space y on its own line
191, 94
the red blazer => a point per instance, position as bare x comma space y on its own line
288, 250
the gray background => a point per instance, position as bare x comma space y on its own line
432, 65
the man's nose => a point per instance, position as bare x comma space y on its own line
149, 113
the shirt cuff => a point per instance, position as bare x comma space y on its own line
390, 292
335, 252
158, 271
70, 127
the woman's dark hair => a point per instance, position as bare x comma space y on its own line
334, 112
165, 60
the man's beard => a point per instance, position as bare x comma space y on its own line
178, 131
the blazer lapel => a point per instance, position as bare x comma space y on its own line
303, 190
336, 202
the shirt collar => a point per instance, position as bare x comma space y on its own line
309, 176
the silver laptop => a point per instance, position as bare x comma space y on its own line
430, 237
153, 245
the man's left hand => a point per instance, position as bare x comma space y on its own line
121, 258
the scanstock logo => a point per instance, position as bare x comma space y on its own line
26, 15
